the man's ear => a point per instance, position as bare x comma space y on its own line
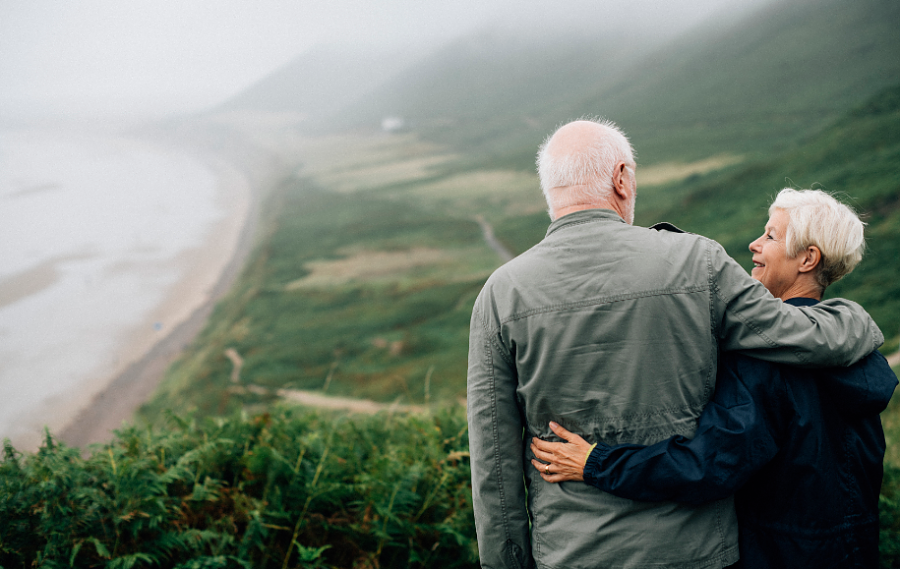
810, 259
620, 187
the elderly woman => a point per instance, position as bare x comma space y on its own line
801, 449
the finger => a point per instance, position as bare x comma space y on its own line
554, 478
552, 448
546, 448
543, 445
545, 456
563, 433
541, 466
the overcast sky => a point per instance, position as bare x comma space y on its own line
136, 56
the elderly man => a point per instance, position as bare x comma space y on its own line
614, 331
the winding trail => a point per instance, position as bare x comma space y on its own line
488, 232
367, 406
320, 400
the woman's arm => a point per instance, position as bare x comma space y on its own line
735, 437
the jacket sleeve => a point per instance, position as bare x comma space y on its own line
747, 318
736, 436
495, 446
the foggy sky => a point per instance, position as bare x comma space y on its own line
156, 56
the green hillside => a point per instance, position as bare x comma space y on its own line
857, 157
756, 86
753, 85
492, 81
363, 285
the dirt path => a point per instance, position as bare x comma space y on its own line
322, 401
319, 400
488, 232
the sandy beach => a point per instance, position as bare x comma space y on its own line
87, 409
208, 271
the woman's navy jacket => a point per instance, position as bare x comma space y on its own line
801, 449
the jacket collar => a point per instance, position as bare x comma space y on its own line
584, 216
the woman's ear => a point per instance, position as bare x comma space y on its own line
810, 259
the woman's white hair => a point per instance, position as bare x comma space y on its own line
817, 218
591, 168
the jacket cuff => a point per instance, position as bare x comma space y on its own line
594, 465
593, 446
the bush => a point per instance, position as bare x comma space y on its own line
285, 490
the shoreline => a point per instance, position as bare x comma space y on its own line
187, 306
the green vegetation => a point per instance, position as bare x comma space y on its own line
364, 283
858, 157
740, 85
365, 290
286, 490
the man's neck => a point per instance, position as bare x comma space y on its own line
601, 204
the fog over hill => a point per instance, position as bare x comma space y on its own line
104, 58
738, 79
322, 81
350, 82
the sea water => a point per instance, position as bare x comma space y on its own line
91, 228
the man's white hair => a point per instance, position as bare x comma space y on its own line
817, 218
590, 168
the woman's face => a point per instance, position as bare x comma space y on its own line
771, 265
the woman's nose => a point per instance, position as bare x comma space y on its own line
754, 245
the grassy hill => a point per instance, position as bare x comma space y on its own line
857, 157
752, 84
760, 84
748, 85
363, 285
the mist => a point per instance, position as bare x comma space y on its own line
147, 59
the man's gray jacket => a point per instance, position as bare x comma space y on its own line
613, 331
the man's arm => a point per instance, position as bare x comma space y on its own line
747, 318
495, 445
736, 436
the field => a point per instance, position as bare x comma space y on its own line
364, 283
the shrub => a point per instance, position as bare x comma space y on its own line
291, 489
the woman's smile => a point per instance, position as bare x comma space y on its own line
771, 266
